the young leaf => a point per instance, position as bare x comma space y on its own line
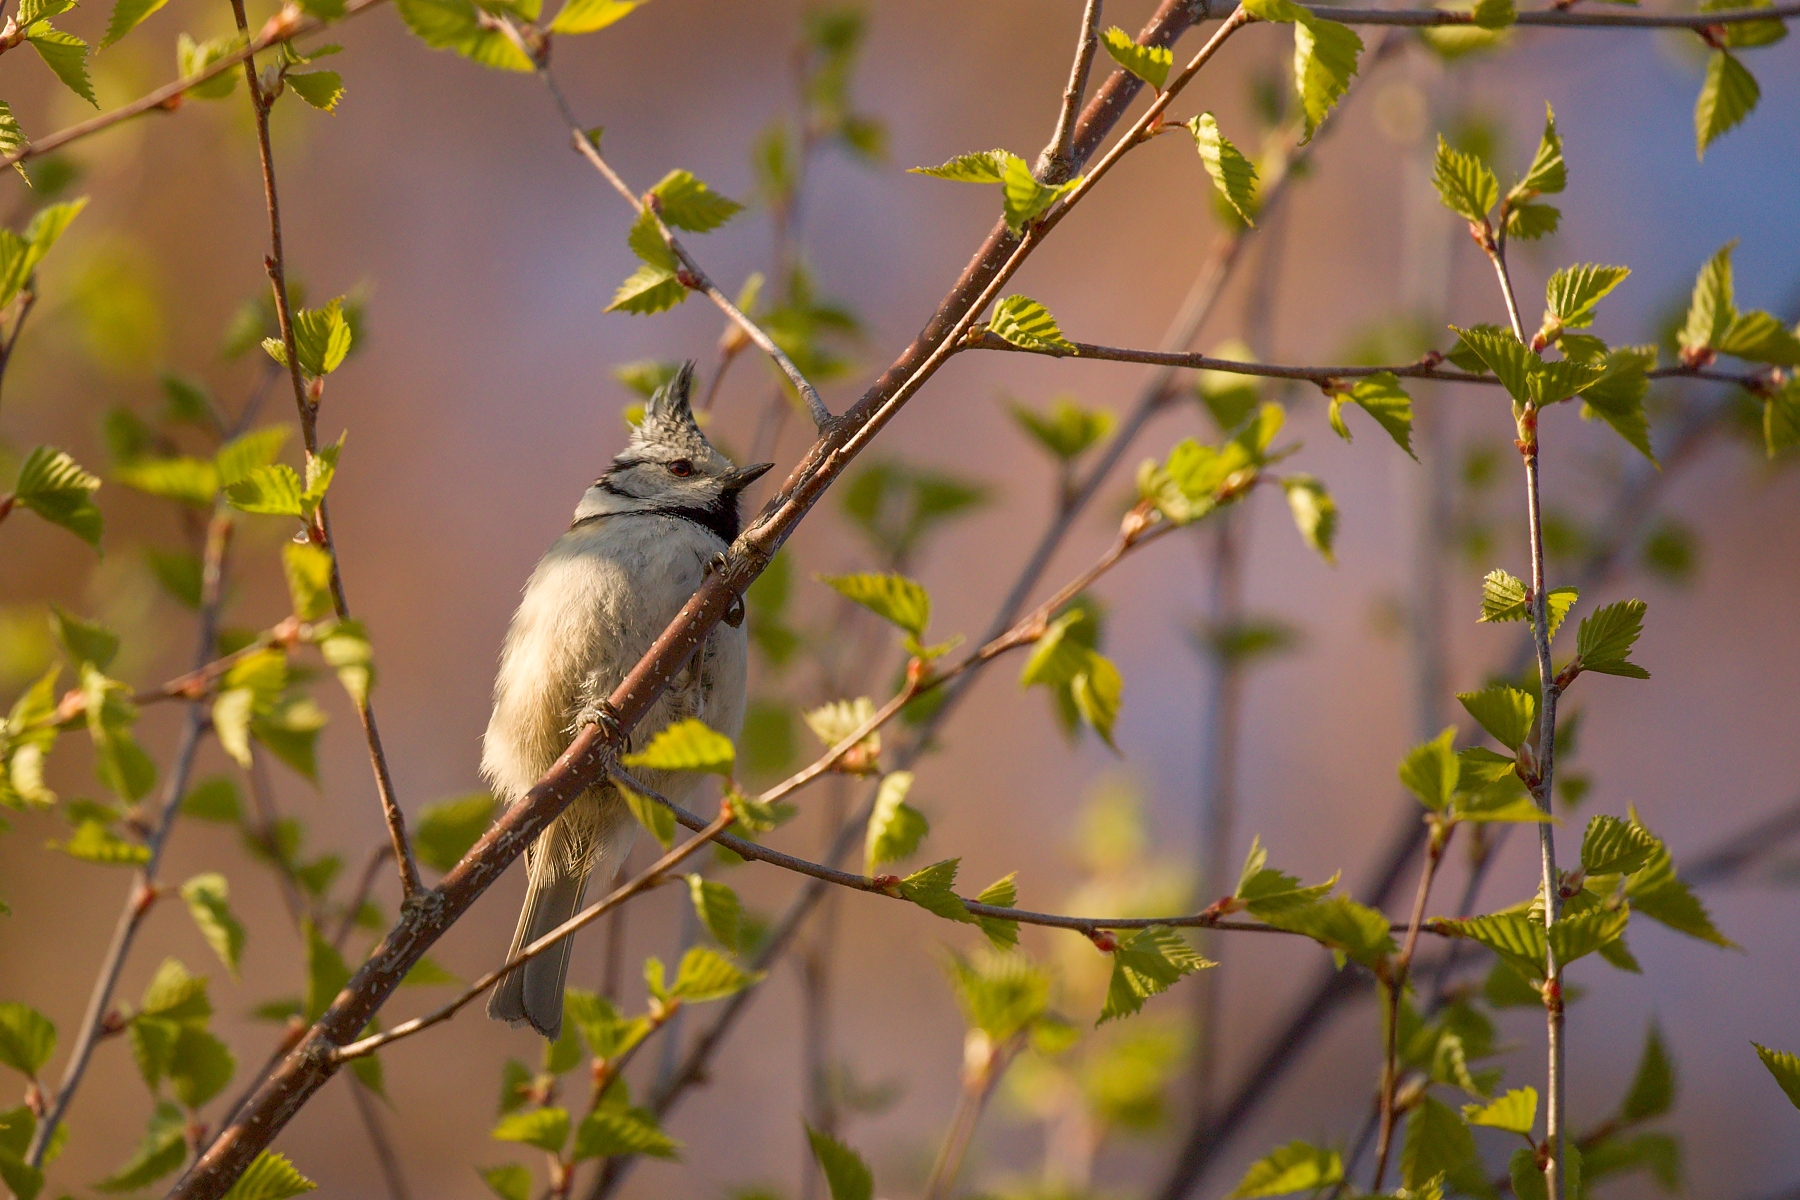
1499, 351
1464, 183
94, 842
457, 26
326, 973
1726, 98
1024, 199
1267, 892
1349, 930
685, 746
1066, 431
206, 896
321, 89
718, 908
1614, 847
1149, 63
545, 1128
1515, 1112
1573, 292
1547, 174
893, 598
1604, 641
1024, 322
1653, 1087
1503, 599
1315, 513
270, 1176
1324, 56
707, 975
1505, 712
162, 1151
589, 16
657, 820
200, 1066
55, 487
1578, 936
1617, 397
509, 1181
846, 1174
1382, 397
1295, 1167
27, 1038
613, 1132
1656, 891
932, 888
1785, 1067
650, 289
272, 491
1712, 308
895, 827
1516, 936
1002, 893
445, 830
1437, 1143
1145, 964
687, 203
1432, 771
1759, 337
65, 55
1232, 173
983, 166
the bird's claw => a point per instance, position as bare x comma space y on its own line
734, 615
603, 714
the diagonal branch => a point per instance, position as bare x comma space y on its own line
1057, 162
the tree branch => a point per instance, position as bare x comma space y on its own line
1558, 18
1056, 163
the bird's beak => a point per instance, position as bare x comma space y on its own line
743, 477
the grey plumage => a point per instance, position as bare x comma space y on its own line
640, 544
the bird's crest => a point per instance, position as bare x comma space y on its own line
669, 416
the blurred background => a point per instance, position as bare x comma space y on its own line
483, 398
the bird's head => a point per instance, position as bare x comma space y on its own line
669, 467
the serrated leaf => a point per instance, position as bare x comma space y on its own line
608, 1033
545, 1128
270, 1176
893, 598
1604, 641
1712, 307
1002, 893
1759, 337
932, 888
1144, 965
847, 1176
93, 842
687, 203
272, 491
1295, 1167
445, 830
1657, 892
1617, 397
1785, 1067
1349, 930
983, 166
65, 55
1149, 63
1315, 513
54, 486
1232, 174
321, 89
457, 26
708, 975
718, 908
589, 16
687, 745
207, 898
27, 1038
657, 820
895, 828
1464, 183
1548, 174
1267, 892
1325, 55
326, 974
1067, 429
1505, 712
1024, 322
1432, 771
308, 570
612, 1132
1510, 360
509, 1181
126, 16
649, 290
162, 1151
200, 1066
1726, 98
1437, 1144
1024, 199
1611, 846
1382, 397
1503, 598
1515, 1112
176, 996
1573, 292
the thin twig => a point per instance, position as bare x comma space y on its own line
1556, 18
308, 407
27, 299
364, 886
984, 1066
1057, 162
654, 875
691, 276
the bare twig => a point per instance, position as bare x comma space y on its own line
1395, 989
27, 299
983, 1066
307, 405
1057, 161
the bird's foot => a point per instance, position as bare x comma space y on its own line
734, 615
603, 714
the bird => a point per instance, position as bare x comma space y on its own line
643, 539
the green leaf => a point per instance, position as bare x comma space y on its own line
27, 1038
846, 1174
718, 908
1494, 14
428, 972
685, 746
445, 830
55, 487
189, 480
1324, 56
344, 645
895, 828
1024, 322
1606, 637
1002, 893
162, 1151
457, 26
893, 598
1726, 98
1145, 964
608, 1034
1515, 1112
326, 974
708, 975
1712, 308
1759, 337
271, 491
588, 16
1464, 183
612, 1132
321, 89
65, 55
1437, 1143
1499, 351
322, 339
1024, 198
1516, 936
94, 842
1503, 598
1432, 771
1505, 712
933, 888
1614, 847
192, 58
1573, 292
308, 569
687, 203
1149, 63
1547, 174
1001, 995
200, 1067
1067, 430
126, 16
1785, 1067
656, 819
174, 995
1656, 891
509, 1181
1617, 397
983, 166
650, 289
1315, 513
1575, 937
1349, 930
1295, 1167
1268, 893
12, 140
1657, 1152
83, 642
1382, 397
1232, 173
545, 1128
1653, 1087
270, 1176
206, 896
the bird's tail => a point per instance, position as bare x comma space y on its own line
534, 991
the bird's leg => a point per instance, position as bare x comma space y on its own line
734, 616
596, 709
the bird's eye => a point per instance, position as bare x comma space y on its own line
681, 468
